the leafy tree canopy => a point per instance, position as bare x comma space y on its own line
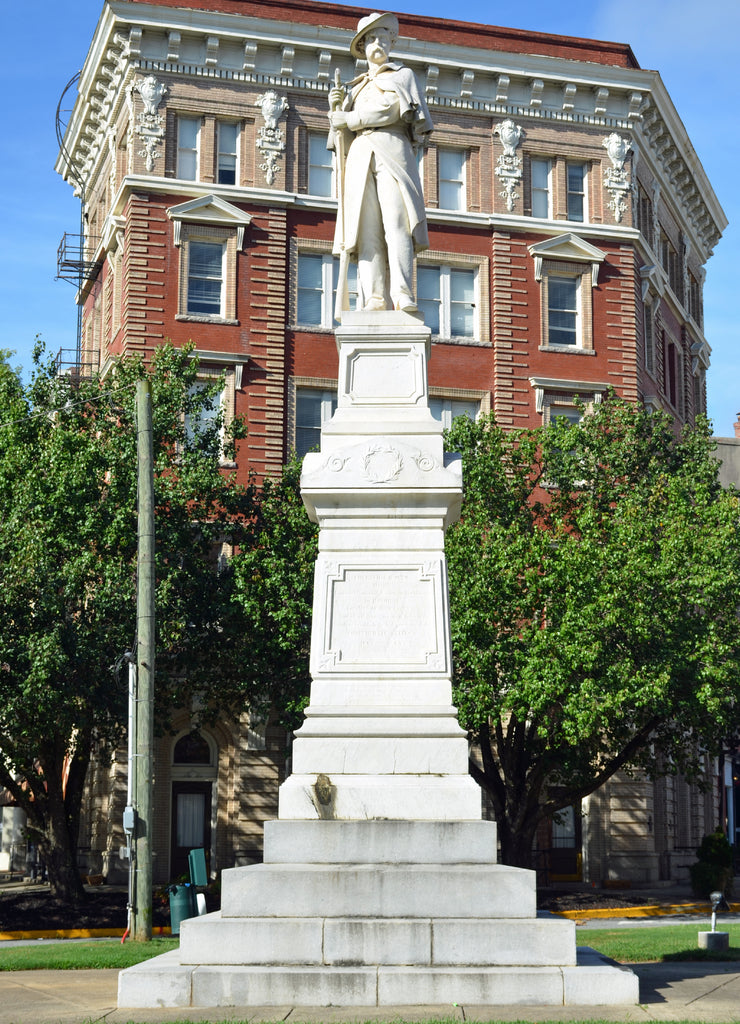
68, 573
595, 587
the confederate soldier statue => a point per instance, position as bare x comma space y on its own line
380, 120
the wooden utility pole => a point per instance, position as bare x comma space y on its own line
144, 753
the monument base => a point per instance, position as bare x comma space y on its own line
377, 913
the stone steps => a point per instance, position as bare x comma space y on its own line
352, 941
165, 982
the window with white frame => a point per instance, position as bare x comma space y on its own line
540, 172
209, 235
227, 137
188, 137
320, 166
562, 310
576, 191
317, 286
555, 411
207, 416
204, 419
446, 297
447, 409
313, 408
568, 269
451, 170
205, 278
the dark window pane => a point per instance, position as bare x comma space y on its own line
192, 749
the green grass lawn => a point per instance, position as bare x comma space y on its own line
74, 956
671, 942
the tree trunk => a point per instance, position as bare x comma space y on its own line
56, 816
61, 867
517, 846
515, 792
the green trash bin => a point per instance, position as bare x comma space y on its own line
197, 868
182, 905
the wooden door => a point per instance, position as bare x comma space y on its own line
191, 824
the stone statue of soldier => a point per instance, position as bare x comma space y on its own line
380, 119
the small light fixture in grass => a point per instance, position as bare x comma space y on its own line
715, 940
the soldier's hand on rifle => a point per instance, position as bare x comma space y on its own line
336, 97
338, 119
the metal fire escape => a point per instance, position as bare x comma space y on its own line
75, 261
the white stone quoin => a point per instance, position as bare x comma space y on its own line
379, 885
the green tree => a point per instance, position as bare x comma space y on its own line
67, 575
273, 592
595, 586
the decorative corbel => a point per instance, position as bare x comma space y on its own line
287, 58
324, 72
174, 40
502, 88
535, 97
432, 82
212, 44
601, 96
467, 81
250, 56
133, 44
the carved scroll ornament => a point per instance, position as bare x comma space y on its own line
270, 138
509, 165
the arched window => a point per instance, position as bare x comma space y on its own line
192, 748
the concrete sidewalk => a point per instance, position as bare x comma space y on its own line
670, 992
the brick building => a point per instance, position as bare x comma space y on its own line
570, 223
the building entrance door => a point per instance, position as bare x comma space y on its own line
191, 823
566, 858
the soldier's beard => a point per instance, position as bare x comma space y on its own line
375, 53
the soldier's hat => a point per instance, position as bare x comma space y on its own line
389, 21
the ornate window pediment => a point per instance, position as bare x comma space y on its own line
548, 390
652, 282
210, 209
568, 247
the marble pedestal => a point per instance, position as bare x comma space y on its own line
379, 885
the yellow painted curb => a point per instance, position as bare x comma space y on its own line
655, 910
76, 933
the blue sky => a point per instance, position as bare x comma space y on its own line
696, 48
